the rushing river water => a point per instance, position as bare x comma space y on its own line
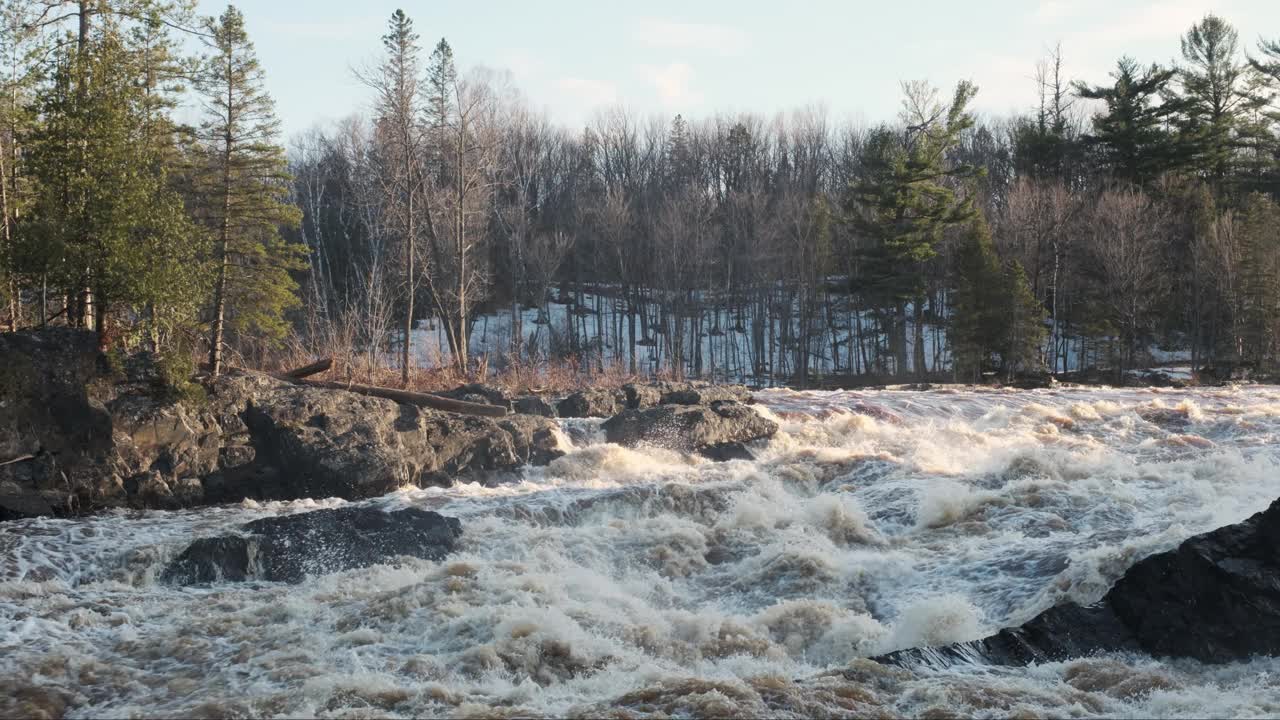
644, 583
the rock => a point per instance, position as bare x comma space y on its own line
698, 394
101, 434
479, 393
534, 405
52, 390
641, 396
314, 442
291, 547
592, 403
1216, 599
536, 440
689, 428
727, 452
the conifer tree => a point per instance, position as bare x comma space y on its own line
402, 143
105, 223
1133, 134
248, 185
1219, 90
906, 199
1260, 281
997, 321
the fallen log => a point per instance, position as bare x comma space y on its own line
314, 368
427, 400
20, 458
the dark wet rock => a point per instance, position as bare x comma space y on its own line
592, 403
291, 547
534, 405
641, 396
536, 440
728, 451
1216, 599
480, 394
690, 428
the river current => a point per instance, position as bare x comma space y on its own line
638, 583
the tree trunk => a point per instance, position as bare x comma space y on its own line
224, 238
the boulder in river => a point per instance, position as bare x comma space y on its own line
1215, 598
591, 403
720, 426
641, 396
290, 547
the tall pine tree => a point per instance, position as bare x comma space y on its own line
248, 186
1133, 135
905, 200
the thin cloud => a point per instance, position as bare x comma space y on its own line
586, 92
720, 39
673, 82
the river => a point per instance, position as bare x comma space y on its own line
634, 583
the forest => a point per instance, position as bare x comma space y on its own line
456, 226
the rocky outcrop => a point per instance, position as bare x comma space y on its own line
1216, 599
719, 430
88, 435
291, 547
592, 403
642, 396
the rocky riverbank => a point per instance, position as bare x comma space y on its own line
80, 432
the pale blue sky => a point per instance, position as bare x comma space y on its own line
701, 56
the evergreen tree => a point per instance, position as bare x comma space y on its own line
105, 225
401, 141
997, 322
248, 186
1260, 281
1267, 150
20, 46
1133, 134
905, 200
1218, 92
1025, 331
442, 89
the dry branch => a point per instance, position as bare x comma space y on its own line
314, 368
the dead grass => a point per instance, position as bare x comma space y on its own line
555, 376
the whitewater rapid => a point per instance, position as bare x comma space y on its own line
640, 583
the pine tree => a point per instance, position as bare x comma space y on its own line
1025, 331
246, 180
1260, 281
1133, 134
442, 89
1219, 91
906, 199
104, 224
976, 319
19, 47
997, 323
402, 141
1267, 120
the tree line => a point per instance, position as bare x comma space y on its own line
454, 224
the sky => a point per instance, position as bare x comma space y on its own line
702, 57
